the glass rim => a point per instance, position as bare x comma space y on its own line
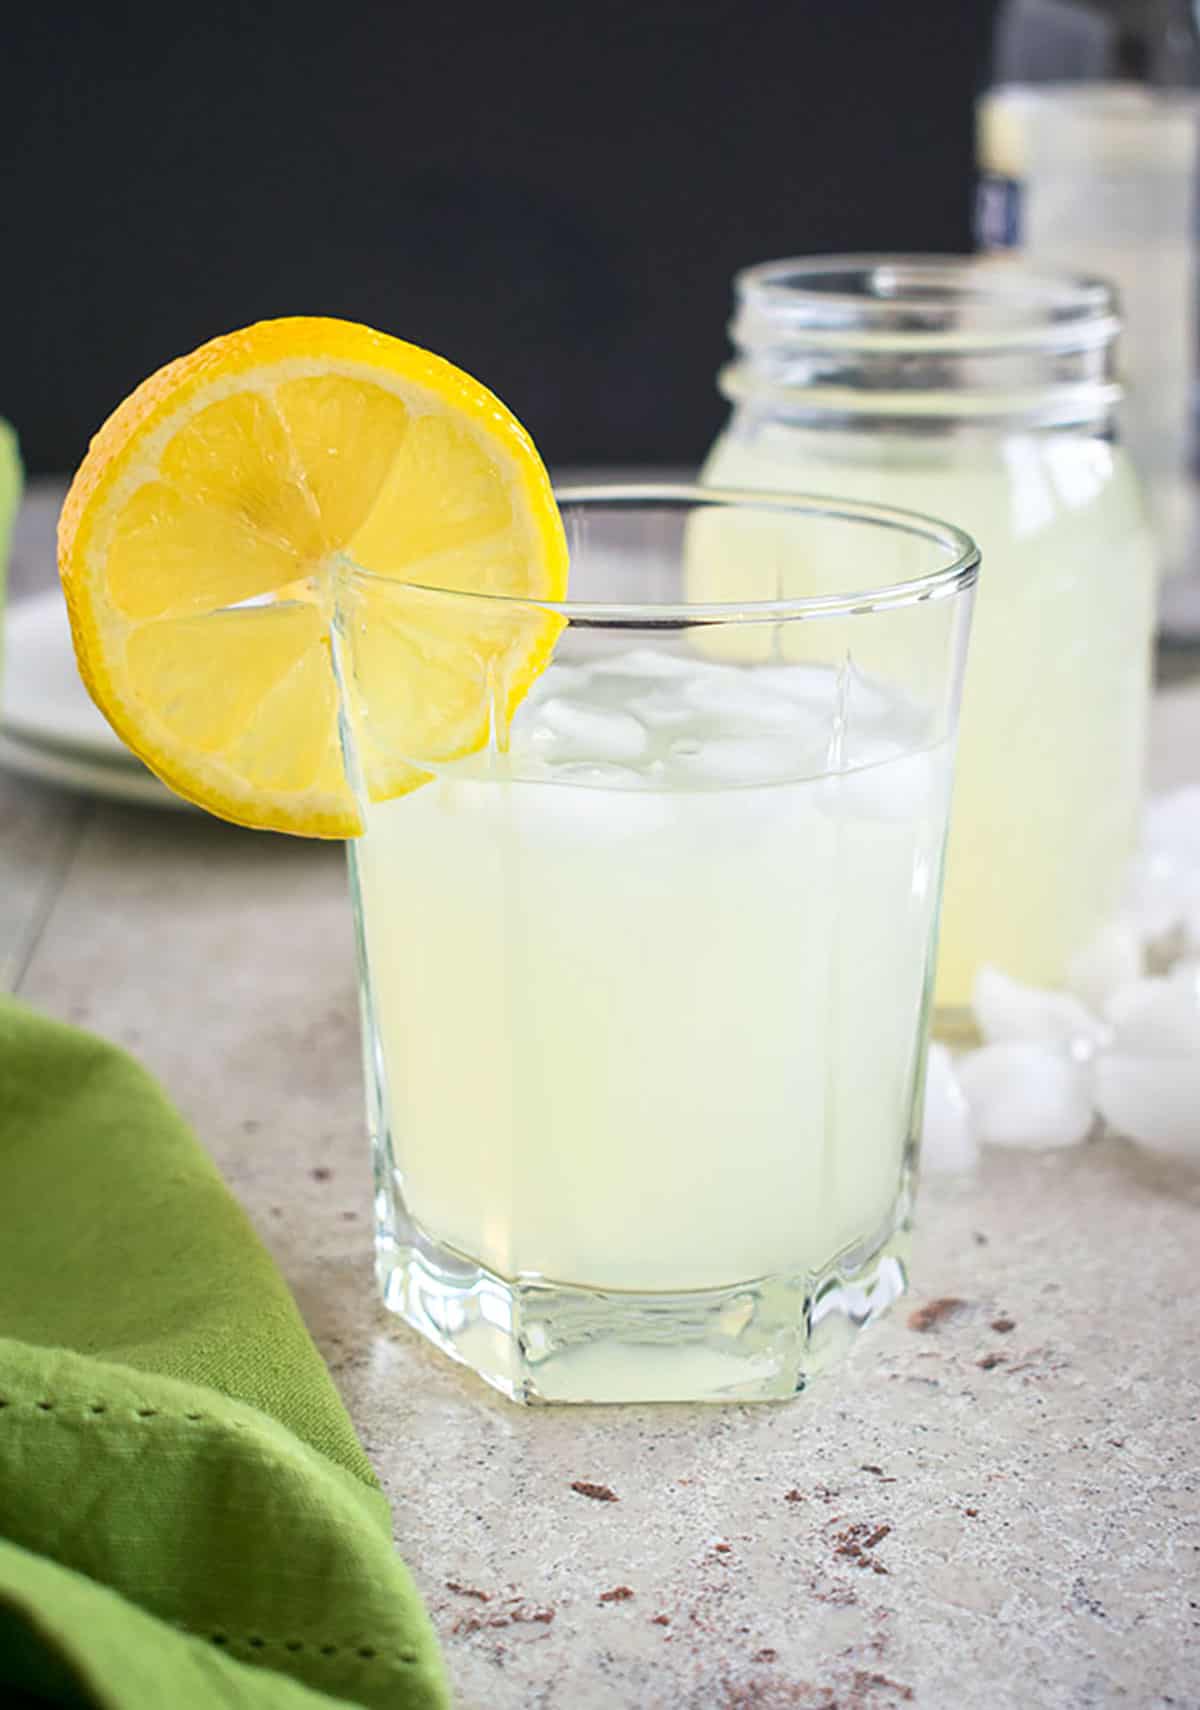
957, 574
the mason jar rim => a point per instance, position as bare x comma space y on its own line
958, 573
908, 301
897, 302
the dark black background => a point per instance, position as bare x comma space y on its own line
553, 196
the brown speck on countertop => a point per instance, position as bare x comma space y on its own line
322, 1173
618, 1594
794, 1496
979, 1238
867, 1467
765, 1655
515, 1612
989, 1362
1042, 1362
971, 1513
722, 1549
837, 1596
1003, 1325
864, 1681
857, 1541
660, 1620
597, 1492
925, 1317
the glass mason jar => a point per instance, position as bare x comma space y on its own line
983, 393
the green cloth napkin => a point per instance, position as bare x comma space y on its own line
187, 1519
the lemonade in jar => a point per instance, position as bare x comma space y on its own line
984, 394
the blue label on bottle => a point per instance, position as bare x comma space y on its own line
997, 212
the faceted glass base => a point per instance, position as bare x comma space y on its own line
539, 1341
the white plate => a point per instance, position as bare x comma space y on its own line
116, 780
44, 700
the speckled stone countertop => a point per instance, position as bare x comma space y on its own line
995, 1501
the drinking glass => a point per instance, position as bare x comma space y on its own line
646, 954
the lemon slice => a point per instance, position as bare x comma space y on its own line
252, 551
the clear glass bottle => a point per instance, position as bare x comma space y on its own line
985, 394
1087, 150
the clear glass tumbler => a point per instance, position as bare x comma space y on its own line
646, 973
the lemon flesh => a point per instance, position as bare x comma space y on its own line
301, 524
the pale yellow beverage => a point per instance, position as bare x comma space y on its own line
1048, 787
625, 980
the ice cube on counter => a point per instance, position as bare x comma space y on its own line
1113, 958
1154, 1100
1164, 877
1009, 1012
1172, 825
1158, 1017
1027, 1094
1148, 1085
1119, 1043
948, 1143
